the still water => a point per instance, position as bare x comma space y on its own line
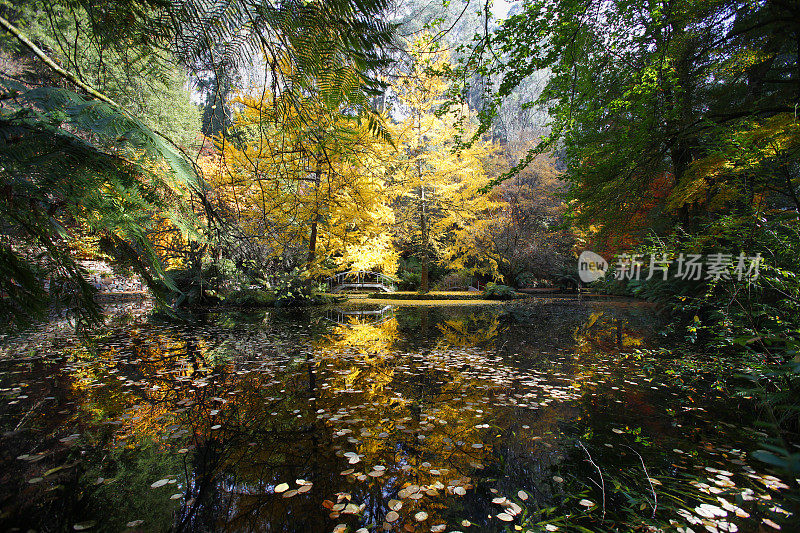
549, 416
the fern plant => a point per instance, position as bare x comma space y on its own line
71, 164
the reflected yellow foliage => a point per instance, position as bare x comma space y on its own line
372, 338
604, 333
472, 331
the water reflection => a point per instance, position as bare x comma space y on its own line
409, 419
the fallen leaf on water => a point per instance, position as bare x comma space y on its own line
392, 516
522, 495
54, 470
505, 517
282, 487
421, 516
159, 483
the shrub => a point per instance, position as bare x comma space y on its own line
494, 291
410, 281
293, 293
250, 298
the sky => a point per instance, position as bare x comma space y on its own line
500, 8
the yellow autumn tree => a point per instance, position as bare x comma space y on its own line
306, 178
437, 190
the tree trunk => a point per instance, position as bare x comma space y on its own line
312, 239
423, 284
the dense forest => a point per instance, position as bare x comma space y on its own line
241, 153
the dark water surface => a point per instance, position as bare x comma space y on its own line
530, 417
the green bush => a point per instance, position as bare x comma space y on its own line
250, 298
293, 293
410, 281
494, 291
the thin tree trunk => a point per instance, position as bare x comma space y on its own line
423, 285
312, 239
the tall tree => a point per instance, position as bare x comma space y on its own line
644, 96
436, 187
310, 178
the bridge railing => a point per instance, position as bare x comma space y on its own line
361, 278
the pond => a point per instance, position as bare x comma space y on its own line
543, 416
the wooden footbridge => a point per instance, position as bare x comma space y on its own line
361, 279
